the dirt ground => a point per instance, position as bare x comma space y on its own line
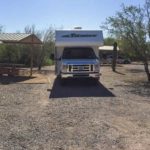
39, 114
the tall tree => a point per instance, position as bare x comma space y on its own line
109, 41
35, 51
32, 30
48, 45
48, 38
133, 26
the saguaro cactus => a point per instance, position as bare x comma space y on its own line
114, 61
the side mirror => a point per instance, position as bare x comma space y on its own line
52, 56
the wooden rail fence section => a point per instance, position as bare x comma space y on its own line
10, 69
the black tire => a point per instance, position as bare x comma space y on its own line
62, 81
97, 79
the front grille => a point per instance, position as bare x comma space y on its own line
80, 68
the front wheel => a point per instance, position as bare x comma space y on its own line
61, 80
97, 79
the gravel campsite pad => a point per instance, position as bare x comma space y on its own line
80, 115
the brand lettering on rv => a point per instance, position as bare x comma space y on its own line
78, 35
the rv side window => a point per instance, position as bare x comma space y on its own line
78, 53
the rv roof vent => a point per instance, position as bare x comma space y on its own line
77, 28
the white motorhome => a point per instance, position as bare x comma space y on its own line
77, 54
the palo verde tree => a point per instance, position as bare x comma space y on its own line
132, 24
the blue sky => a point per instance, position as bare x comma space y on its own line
89, 14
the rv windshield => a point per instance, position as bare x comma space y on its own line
78, 53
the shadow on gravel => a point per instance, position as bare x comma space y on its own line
140, 88
79, 88
109, 65
135, 70
10, 79
119, 73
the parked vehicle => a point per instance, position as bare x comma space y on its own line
120, 60
76, 53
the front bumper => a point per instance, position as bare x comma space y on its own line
81, 75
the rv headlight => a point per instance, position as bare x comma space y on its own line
96, 67
64, 68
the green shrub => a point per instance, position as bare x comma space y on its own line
48, 62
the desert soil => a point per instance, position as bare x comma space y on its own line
40, 114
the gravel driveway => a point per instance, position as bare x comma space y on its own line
81, 115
